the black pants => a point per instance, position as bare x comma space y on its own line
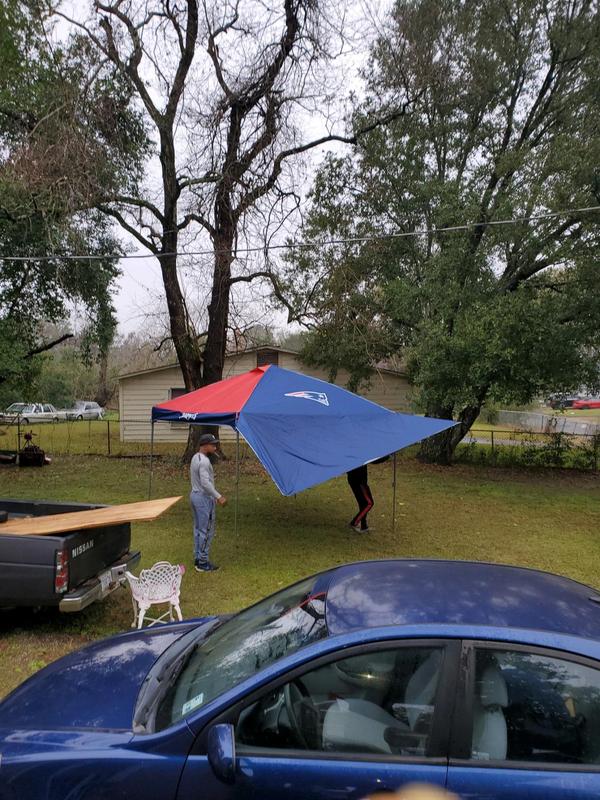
365, 501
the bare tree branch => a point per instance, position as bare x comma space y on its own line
147, 243
48, 345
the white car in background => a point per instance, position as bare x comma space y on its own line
27, 413
85, 409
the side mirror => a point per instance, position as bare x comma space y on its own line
221, 752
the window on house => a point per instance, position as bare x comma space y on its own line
173, 394
267, 356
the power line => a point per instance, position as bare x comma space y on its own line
311, 245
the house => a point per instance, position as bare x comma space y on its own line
139, 391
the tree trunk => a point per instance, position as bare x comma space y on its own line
440, 449
216, 340
103, 392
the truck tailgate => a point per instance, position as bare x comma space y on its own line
92, 551
28, 563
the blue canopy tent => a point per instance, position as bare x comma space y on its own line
303, 430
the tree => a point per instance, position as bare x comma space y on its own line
65, 375
219, 84
64, 138
505, 126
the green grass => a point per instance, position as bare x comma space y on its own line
586, 414
544, 519
80, 437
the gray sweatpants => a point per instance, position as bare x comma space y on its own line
203, 510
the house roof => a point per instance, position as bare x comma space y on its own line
175, 364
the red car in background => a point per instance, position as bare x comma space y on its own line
587, 402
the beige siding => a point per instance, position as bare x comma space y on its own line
138, 393
386, 388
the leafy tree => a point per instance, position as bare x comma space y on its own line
506, 125
220, 84
67, 135
65, 375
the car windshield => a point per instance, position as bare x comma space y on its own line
15, 408
245, 644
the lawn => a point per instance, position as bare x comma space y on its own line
545, 519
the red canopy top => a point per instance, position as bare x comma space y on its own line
224, 397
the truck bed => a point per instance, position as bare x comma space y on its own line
90, 563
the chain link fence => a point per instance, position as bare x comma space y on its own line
527, 448
550, 447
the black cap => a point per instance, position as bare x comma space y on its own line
207, 438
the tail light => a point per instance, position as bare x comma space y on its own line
61, 571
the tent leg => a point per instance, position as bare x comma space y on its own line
394, 498
151, 458
237, 479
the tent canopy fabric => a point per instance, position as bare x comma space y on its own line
303, 430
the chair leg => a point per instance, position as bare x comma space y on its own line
141, 616
135, 613
178, 612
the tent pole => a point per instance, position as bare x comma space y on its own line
237, 477
151, 455
394, 498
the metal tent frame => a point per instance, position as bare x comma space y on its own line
237, 478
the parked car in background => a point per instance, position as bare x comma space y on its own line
587, 402
481, 678
26, 413
561, 400
85, 409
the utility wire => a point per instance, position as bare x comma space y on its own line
310, 245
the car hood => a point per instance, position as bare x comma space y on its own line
95, 687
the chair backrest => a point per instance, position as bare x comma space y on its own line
420, 689
159, 583
489, 722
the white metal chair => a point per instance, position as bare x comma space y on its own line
160, 584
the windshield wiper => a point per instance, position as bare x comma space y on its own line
165, 671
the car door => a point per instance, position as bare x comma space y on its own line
527, 725
36, 413
374, 720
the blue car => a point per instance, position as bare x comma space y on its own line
481, 678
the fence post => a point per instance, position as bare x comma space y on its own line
492, 432
108, 435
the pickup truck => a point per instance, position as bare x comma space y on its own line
67, 570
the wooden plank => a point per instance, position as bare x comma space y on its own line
92, 518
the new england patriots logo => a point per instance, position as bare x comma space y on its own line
318, 397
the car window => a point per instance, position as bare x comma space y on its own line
240, 647
48, 409
533, 707
375, 703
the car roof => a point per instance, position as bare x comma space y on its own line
420, 591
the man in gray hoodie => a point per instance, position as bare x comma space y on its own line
204, 499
